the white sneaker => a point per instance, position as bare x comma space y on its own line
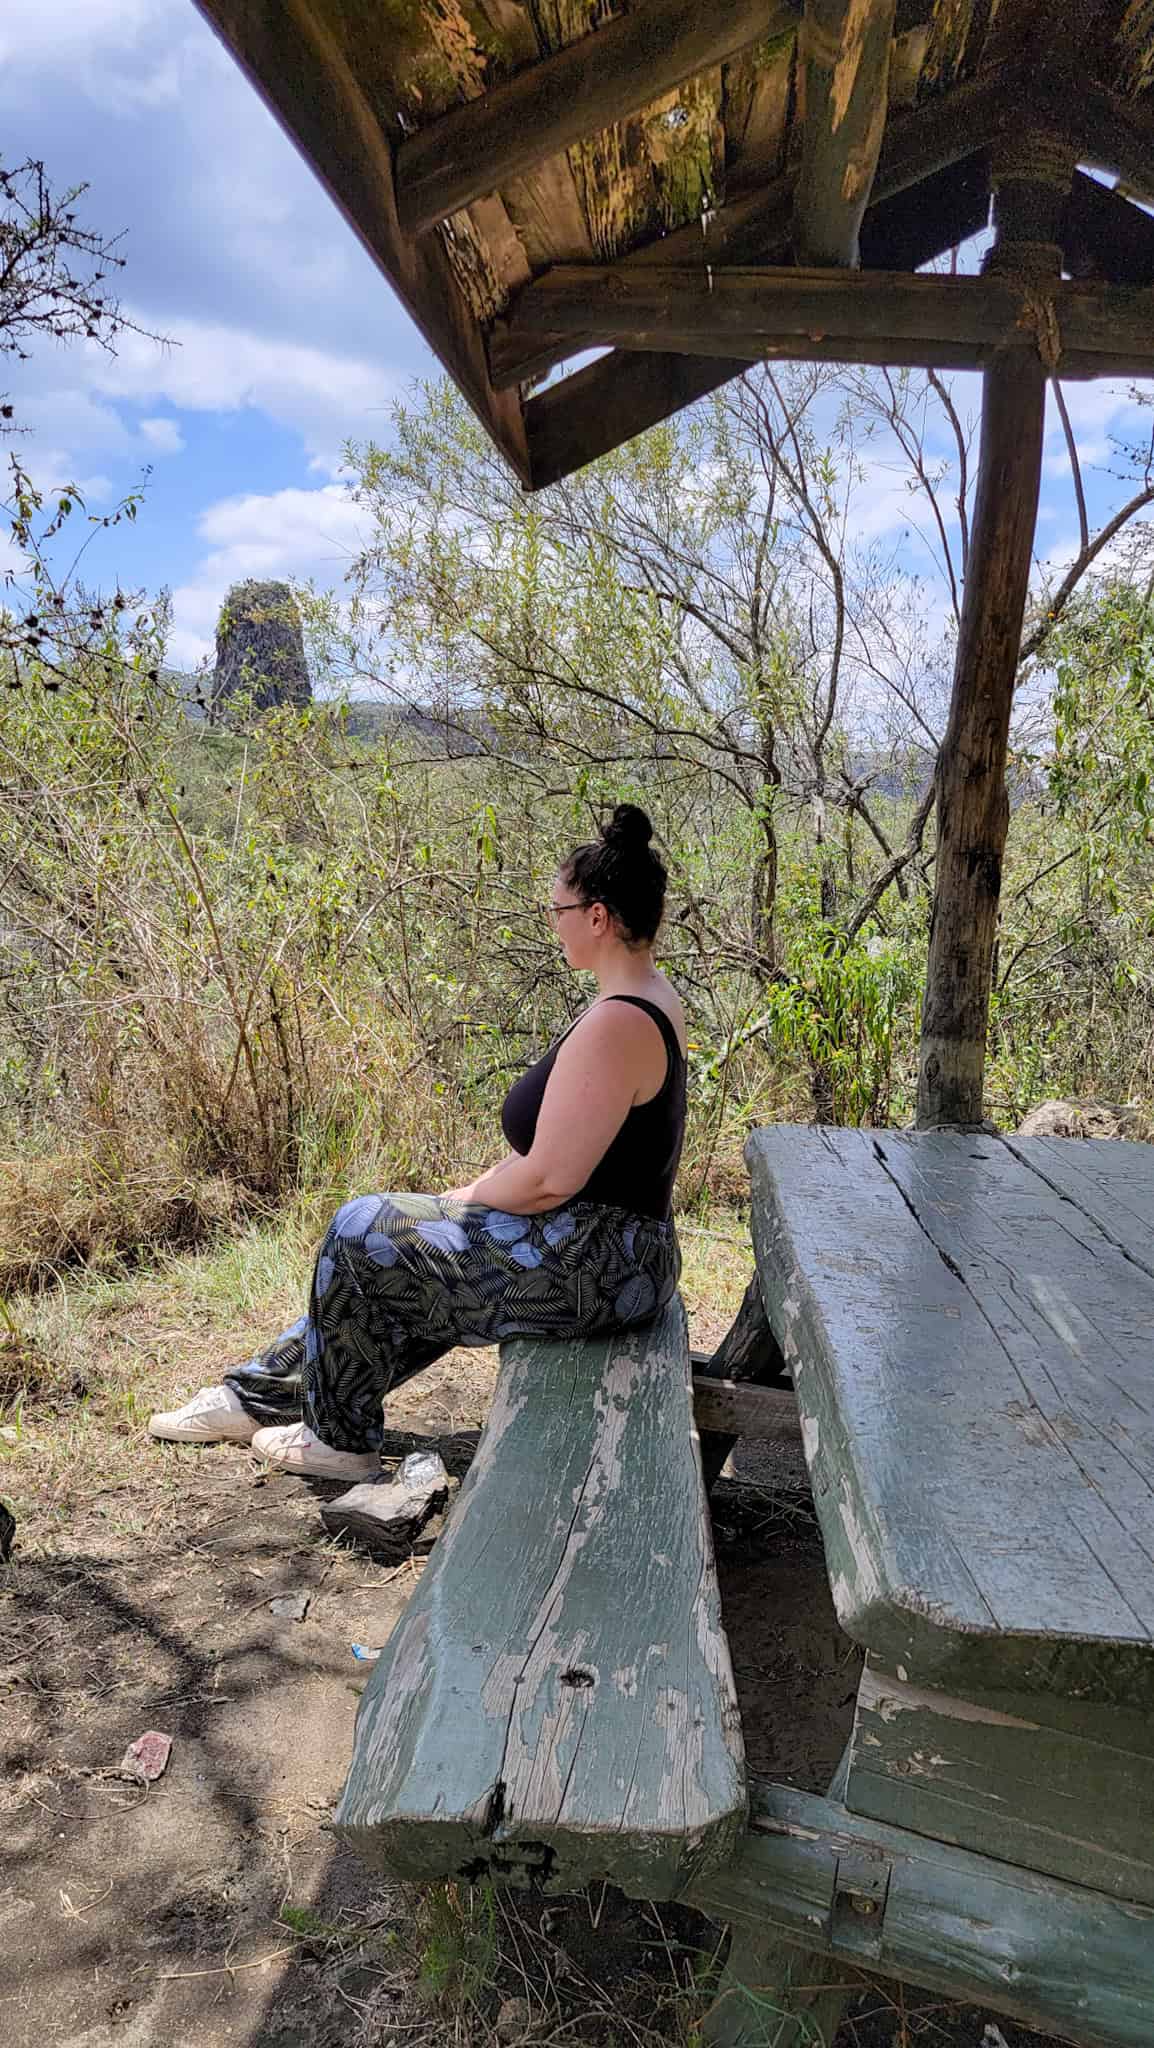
215, 1415
296, 1449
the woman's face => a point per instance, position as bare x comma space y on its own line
580, 927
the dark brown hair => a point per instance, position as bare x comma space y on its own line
621, 870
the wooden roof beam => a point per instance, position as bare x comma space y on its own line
847, 47
579, 90
294, 59
848, 316
609, 401
1104, 236
918, 145
1113, 133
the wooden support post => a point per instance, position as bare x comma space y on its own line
847, 67
748, 1352
775, 1993
1031, 185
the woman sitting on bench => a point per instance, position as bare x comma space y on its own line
570, 1234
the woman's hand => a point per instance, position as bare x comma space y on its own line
463, 1195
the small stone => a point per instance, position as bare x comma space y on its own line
146, 1759
513, 2020
290, 1606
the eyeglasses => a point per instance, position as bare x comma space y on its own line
555, 910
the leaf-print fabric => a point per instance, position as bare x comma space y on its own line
400, 1279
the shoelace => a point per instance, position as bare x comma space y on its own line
208, 1397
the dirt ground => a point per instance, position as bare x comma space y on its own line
215, 1906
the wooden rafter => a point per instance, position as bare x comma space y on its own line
847, 47
917, 146
1105, 236
602, 78
857, 316
1114, 133
611, 400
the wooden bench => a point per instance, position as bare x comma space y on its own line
557, 1703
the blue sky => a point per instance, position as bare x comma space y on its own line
286, 340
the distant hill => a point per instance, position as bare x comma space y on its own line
366, 718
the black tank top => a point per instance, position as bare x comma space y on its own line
638, 1170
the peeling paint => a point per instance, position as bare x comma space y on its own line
876, 1695
860, 22
867, 1578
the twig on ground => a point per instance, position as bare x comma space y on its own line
227, 1969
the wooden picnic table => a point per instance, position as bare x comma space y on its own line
969, 1321
969, 1325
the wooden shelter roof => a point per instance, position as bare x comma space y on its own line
541, 177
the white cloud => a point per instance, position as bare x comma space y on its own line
325, 397
295, 534
69, 32
164, 435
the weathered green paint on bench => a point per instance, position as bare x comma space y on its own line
989, 1773
970, 1325
1052, 1955
557, 1704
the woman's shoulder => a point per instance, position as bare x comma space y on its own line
626, 1019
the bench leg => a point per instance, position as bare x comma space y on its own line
775, 1995
748, 1351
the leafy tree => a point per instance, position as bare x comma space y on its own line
693, 616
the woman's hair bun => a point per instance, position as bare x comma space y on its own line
624, 872
628, 826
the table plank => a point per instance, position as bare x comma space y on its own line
972, 1350
1112, 1183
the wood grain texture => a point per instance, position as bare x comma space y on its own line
1110, 131
577, 91
1055, 1956
971, 1353
888, 316
596, 408
847, 47
919, 147
973, 810
732, 1405
748, 1354
557, 1703
777, 1993
987, 1774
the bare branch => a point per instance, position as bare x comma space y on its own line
895, 867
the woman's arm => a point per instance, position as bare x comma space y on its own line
599, 1072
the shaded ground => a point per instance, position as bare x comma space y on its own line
215, 1907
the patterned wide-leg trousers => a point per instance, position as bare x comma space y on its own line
400, 1279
